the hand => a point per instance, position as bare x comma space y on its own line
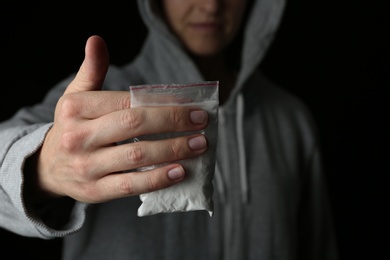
80, 156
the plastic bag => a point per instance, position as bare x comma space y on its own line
196, 190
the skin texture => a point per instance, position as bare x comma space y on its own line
206, 27
87, 165
80, 158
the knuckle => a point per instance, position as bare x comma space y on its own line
72, 140
152, 183
89, 193
126, 187
131, 119
69, 106
176, 149
176, 116
125, 102
81, 188
81, 168
135, 155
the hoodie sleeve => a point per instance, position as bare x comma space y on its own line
20, 137
317, 232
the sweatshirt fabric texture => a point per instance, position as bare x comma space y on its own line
270, 194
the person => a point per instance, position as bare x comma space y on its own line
64, 165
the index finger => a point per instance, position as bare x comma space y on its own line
95, 104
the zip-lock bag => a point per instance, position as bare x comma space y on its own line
196, 190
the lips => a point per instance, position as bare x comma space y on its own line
206, 26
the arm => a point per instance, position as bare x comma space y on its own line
81, 158
316, 227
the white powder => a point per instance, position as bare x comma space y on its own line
196, 191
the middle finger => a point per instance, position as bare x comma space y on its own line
129, 123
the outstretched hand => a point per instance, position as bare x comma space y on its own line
81, 157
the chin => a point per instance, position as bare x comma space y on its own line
206, 51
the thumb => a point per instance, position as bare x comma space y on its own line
93, 70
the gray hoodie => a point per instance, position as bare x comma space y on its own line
270, 197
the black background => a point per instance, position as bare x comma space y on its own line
333, 54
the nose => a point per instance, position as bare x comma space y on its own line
211, 6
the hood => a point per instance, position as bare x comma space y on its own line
260, 29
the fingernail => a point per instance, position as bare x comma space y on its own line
197, 143
176, 173
198, 116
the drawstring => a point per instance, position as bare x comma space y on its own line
219, 182
222, 170
241, 147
